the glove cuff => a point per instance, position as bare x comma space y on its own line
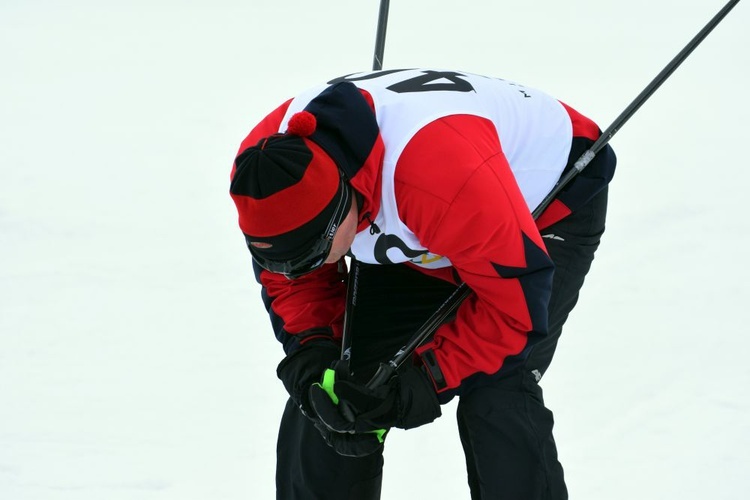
418, 401
299, 370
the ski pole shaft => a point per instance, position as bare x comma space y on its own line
377, 62
353, 280
662, 76
658, 80
352, 286
386, 370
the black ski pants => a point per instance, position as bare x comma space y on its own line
505, 428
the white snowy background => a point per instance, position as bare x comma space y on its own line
136, 360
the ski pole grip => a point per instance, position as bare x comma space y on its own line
382, 376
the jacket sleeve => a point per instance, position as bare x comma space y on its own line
476, 216
308, 308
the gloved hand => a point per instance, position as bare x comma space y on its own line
346, 406
349, 445
298, 372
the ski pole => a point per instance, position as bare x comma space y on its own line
387, 370
658, 80
352, 284
353, 280
377, 62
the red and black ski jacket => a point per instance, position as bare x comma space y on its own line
449, 166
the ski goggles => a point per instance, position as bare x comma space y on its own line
317, 254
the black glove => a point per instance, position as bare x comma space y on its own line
344, 405
303, 367
298, 372
349, 445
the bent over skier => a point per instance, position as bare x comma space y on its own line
428, 178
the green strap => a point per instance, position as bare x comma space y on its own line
380, 434
329, 379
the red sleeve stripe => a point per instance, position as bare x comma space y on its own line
582, 126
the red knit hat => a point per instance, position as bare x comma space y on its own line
288, 186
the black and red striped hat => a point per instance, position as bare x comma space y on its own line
287, 187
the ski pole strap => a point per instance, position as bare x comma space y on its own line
329, 380
327, 383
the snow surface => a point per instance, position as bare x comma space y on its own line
136, 360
